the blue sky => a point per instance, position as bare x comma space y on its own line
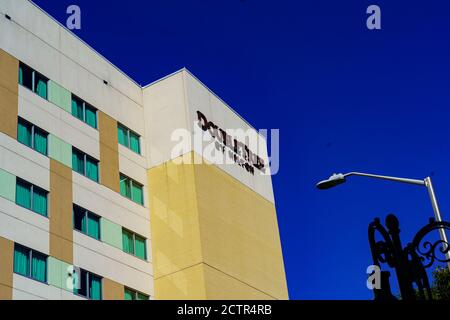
344, 98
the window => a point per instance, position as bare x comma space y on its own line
32, 136
84, 164
134, 244
31, 197
33, 80
129, 139
89, 285
86, 222
83, 111
131, 294
30, 263
131, 189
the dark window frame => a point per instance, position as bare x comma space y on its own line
129, 132
34, 73
33, 130
30, 253
85, 105
134, 234
85, 158
31, 188
86, 214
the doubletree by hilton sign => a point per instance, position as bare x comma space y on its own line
238, 151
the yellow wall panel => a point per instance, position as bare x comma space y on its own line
186, 284
112, 290
239, 231
9, 101
6, 268
220, 286
109, 152
174, 218
205, 218
61, 229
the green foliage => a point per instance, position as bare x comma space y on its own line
441, 284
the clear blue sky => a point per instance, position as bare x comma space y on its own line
344, 98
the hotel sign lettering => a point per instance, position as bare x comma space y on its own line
238, 151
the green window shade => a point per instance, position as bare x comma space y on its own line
95, 287
21, 260
129, 294
127, 242
40, 141
77, 108
23, 194
134, 143
92, 169
24, 132
40, 201
41, 87
39, 267
137, 195
141, 296
91, 117
79, 219
125, 188
141, 251
123, 136
78, 161
94, 226
20, 75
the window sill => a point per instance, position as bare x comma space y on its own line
30, 278
45, 155
46, 216
84, 234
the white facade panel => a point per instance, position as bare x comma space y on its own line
107, 266
110, 205
17, 224
24, 162
55, 120
29, 289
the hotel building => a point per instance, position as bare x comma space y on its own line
95, 202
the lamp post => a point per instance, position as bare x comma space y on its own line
339, 178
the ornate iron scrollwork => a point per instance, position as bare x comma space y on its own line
428, 251
410, 262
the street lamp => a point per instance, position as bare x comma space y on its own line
339, 178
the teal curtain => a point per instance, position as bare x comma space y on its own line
79, 219
127, 242
125, 188
23, 194
41, 88
20, 75
40, 141
123, 136
141, 251
95, 288
78, 162
40, 201
92, 169
91, 117
93, 226
141, 296
129, 295
138, 195
134, 143
39, 267
77, 109
24, 132
22, 260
